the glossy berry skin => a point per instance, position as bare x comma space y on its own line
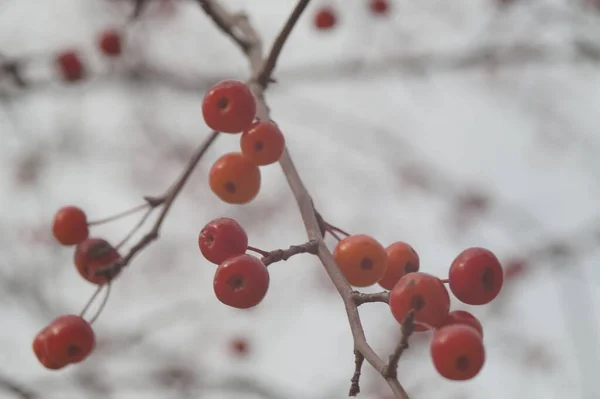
222, 238
263, 143
235, 179
110, 43
70, 226
401, 259
476, 276
457, 352
92, 255
241, 282
325, 18
379, 7
426, 294
362, 259
465, 318
39, 347
229, 107
70, 338
70, 66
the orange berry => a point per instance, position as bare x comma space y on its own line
457, 352
263, 143
424, 293
402, 259
234, 178
362, 259
70, 225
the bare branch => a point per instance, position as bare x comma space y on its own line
408, 327
360, 298
359, 359
307, 210
281, 254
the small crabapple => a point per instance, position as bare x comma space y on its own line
424, 293
241, 281
263, 143
222, 238
325, 18
379, 7
362, 259
229, 107
402, 259
476, 276
234, 178
70, 66
92, 255
70, 226
463, 317
457, 352
110, 43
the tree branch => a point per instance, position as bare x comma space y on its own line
261, 73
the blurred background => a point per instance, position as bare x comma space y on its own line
442, 124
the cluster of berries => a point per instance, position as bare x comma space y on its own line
70, 338
326, 16
230, 107
71, 65
475, 278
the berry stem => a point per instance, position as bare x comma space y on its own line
330, 228
91, 300
361, 298
259, 251
119, 215
139, 224
284, 254
102, 305
446, 281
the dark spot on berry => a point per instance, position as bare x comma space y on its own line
462, 363
236, 282
99, 250
417, 302
487, 279
223, 103
259, 146
366, 264
410, 268
73, 350
209, 237
230, 187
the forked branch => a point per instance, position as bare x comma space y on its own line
261, 70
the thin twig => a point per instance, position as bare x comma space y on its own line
167, 201
120, 215
139, 224
408, 327
284, 254
102, 305
359, 359
360, 297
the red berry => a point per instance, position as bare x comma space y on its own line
222, 238
39, 346
402, 259
234, 178
379, 6
362, 259
241, 282
425, 294
325, 18
70, 66
70, 338
239, 346
263, 143
92, 255
457, 352
229, 107
465, 318
110, 43
476, 276
70, 225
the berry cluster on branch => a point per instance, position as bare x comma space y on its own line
418, 301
